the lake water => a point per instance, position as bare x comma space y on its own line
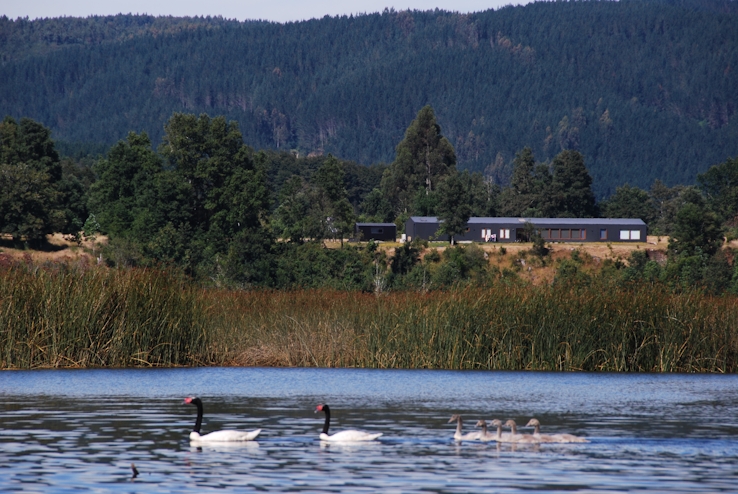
80, 430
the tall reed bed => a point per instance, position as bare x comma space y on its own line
98, 317
498, 328
66, 316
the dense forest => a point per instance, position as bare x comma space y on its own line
644, 90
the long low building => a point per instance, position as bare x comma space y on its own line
551, 229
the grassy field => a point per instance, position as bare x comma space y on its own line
61, 249
86, 316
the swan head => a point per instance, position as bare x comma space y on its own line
192, 400
481, 423
510, 423
496, 423
533, 423
321, 408
454, 418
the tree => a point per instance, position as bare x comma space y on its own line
31, 202
484, 195
629, 202
454, 207
122, 192
666, 203
697, 229
376, 207
423, 158
291, 215
25, 196
720, 185
330, 179
522, 196
227, 185
571, 187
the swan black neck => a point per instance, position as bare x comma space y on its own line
327, 422
198, 423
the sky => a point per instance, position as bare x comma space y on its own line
272, 10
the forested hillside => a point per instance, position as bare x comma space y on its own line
643, 89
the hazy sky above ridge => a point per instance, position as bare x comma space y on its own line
274, 10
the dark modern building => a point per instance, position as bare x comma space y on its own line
376, 231
551, 229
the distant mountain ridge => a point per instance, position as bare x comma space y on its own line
644, 89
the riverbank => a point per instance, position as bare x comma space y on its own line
67, 316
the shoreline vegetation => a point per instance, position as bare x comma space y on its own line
77, 316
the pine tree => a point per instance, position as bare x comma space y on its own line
423, 158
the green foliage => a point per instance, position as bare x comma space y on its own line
569, 272
36, 198
571, 188
462, 264
193, 205
521, 198
123, 191
720, 186
454, 207
310, 265
697, 229
405, 258
538, 248
376, 208
629, 202
423, 158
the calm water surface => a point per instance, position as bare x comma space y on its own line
79, 431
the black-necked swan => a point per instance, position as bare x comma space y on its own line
554, 438
343, 436
458, 435
217, 436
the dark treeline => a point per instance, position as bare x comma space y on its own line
205, 203
644, 90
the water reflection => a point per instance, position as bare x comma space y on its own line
81, 431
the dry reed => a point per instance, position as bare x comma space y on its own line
64, 317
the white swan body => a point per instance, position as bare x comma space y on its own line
343, 436
224, 436
217, 436
458, 435
554, 438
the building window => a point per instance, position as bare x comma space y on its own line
377, 230
575, 234
565, 234
555, 234
545, 234
584, 234
630, 234
505, 233
603, 234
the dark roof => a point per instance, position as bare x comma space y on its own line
376, 224
558, 221
541, 221
424, 219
